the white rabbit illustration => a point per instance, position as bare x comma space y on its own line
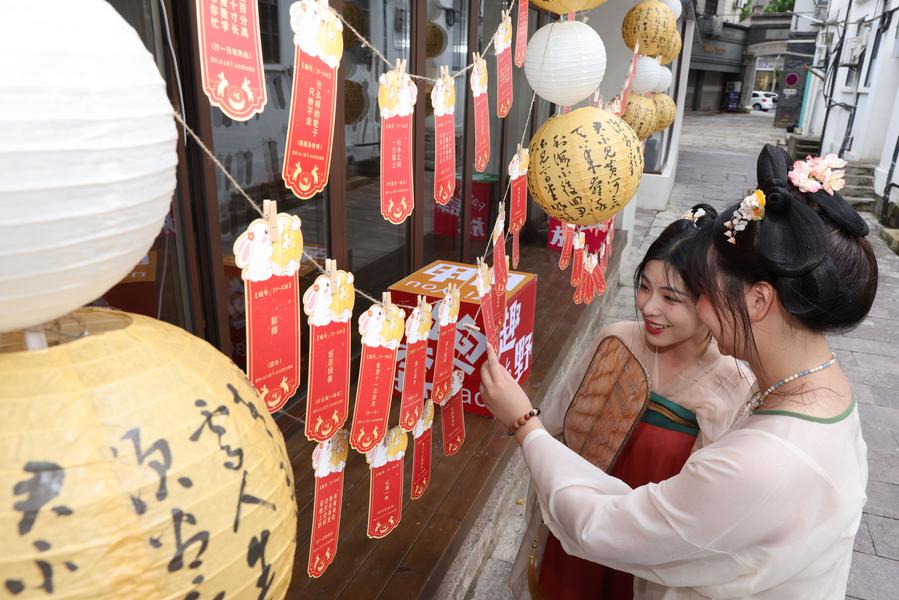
371, 326
458, 380
377, 456
253, 252
317, 301
321, 459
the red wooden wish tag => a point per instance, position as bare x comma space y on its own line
418, 330
518, 213
443, 99
485, 293
452, 418
500, 269
328, 304
397, 94
478, 82
421, 455
502, 48
447, 317
328, 461
521, 33
385, 494
569, 232
577, 268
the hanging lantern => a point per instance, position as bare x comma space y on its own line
646, 75
651, 23
664, 80
671, 49
675, 6
435, 40
88, 157
136, 461
566, 61
435, 9
640, 114
563, 7
665, 111
584, 166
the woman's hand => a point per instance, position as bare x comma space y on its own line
500, 392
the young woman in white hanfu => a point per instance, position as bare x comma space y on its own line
770, 509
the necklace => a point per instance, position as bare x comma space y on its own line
755, 402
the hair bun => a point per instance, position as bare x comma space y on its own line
771, 171
777, 195
709, 213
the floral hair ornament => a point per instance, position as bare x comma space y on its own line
818, 173
694, 215
752, 208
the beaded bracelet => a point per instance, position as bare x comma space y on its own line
522, 420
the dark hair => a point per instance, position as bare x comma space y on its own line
671, 246
809, 247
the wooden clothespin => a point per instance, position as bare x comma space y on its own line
385, 299
331, 271
270, 214
470, 326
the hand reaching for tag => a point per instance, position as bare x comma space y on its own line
502, 394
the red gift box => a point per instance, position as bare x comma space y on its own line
516, 346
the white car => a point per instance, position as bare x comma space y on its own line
760, 101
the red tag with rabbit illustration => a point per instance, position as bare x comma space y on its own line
478, 83
518, 213
443, 99
269, 265
500, 269
445, 356
385, 495
567, 243
381, 327
452, 418
328, 304
418, 329
421, 455
485, 293
521, 34
231, 57
328, 461
318, 35
502, 48
586, 289
577, 268
397, 94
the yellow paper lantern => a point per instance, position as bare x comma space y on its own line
652, 24
671, 49
138, 462
584, 166
563, 7
435, 40
665, 111
640, 114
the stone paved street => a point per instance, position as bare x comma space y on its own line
717, 166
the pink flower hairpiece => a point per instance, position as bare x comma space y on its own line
819, 173
752, 208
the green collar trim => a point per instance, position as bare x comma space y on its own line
825, 420
674, 407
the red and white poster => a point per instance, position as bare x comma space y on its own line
518, 213
385, 495
443, 99
318, 35
397, 94
445, 355
485, 294
329, 462
568, 234
269, 262
502, 48
521, 34
381, 328
421, 454
418, 328
577, 261
452, 418
328, 304
478, 83
500, 268
231, 57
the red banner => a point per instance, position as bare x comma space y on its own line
503, 51
418, 328
421, 455
488, 316
453, 418
567, 244
397, 95
500, 271
521, 35
231, 57
329, 461
478, 83
443, 99
577, 268
385, 499
447, 315
518, 212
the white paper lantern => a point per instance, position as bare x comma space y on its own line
87, 144
676, 7
566, 61
646, 75
435, 9
664, 80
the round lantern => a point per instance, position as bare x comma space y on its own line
565, 62
563, 7
664, 80
435, 40
646, 75
651, 23
671, 49
88, 157
675, 6
640, 114
136, 461
584, 166
665, 111
435, 9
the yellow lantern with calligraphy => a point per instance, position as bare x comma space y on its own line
640, 114
136, 461
652, 24
563, 7
665, 111
584, 166
671, 49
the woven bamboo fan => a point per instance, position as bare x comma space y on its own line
608, 404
